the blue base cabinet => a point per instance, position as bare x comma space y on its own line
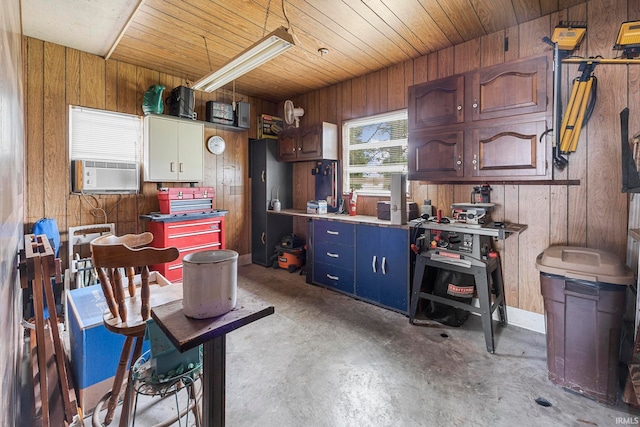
333, 255
382, 266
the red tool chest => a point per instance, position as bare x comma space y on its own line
186, 199
188, 235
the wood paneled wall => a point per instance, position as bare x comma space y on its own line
592, 214
57, 77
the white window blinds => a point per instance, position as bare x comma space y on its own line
374, 147
104, 135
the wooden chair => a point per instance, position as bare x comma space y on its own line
127, 311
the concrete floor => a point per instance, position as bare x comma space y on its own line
325, 359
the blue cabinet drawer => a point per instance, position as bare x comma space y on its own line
334, 232
335, 277
336, 255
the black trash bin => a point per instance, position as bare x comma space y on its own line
584, 294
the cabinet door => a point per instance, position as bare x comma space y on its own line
190, 147
382, 265
310, 143
288, 145
394, 268
440, 102
437, 155
510, 89
368, 262
162, 149
508, 151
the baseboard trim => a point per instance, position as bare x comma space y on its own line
244, 259
521, 318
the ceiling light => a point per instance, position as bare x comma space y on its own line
263, 51
568, 35
629, 39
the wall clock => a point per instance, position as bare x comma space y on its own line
216, 145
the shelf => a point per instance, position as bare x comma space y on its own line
622, 61
210, 124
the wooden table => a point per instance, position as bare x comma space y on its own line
186, 333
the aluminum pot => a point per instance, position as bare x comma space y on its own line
210, 283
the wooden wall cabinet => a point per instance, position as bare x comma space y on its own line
481, 125
314, 142
173, 149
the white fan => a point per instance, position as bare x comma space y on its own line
292, 114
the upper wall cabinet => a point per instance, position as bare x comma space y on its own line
173, 149
510, 89
314, 142
483, 124
440, 102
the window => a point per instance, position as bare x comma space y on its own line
104, 149
374, 147
104, 135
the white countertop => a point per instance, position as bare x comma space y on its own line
358, 219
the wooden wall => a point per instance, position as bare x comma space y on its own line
57, 77
12, 174
592, 214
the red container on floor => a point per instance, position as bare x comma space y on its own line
186, 200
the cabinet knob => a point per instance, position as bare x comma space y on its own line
384, 265
459, 162
459, 107
373, 264
332, 277
475, 103
262, 238
262, 175
181, 167
294, 150
172, 167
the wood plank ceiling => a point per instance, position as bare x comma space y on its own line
189, 38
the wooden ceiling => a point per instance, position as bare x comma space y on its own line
190, 38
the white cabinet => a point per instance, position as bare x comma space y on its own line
173, 149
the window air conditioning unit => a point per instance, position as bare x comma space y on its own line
89, 176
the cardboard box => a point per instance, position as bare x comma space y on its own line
94, 351
269, 126
317, 207
384, 210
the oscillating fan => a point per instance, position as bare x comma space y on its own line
292, 114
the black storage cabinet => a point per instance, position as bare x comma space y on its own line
584, 293
268, 177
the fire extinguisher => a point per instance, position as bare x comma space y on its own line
352, 203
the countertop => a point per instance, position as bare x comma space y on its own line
356, 219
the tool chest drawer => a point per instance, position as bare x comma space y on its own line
334, 232
336, 255
335, 277
188, 236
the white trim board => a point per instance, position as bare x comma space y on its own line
521, 318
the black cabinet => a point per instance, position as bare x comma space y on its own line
269, 179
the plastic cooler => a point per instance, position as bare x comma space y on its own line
584, 294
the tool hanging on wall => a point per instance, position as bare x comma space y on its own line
581, 104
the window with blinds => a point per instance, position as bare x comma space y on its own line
104, 135
374, 147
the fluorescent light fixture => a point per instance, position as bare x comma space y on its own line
629, 39
263, 51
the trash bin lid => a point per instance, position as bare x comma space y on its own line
584, 263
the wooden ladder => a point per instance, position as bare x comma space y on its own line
55, 399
